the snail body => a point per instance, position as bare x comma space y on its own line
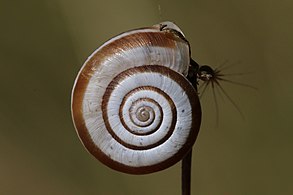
132, 106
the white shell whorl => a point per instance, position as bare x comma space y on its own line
132, 107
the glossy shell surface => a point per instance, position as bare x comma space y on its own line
132, 106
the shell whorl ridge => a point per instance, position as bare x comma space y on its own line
132, 106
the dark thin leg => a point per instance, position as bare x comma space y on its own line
186, 173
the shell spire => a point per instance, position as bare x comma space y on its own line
132, 106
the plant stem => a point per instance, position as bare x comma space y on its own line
186, 173
186, 161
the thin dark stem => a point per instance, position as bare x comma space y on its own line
186, 173
186, 161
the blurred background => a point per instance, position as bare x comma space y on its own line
43, 44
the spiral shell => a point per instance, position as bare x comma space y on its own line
132, 106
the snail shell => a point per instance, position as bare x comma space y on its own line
132, 106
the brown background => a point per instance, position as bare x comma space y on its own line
43, 44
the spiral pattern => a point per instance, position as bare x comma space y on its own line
132, 114
147, 114
148, 120
142, 116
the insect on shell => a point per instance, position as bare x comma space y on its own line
132, 106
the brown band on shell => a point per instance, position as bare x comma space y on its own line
79, 121
167, 39
143, 114
130, 111
114, 83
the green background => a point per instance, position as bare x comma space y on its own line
43, 44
